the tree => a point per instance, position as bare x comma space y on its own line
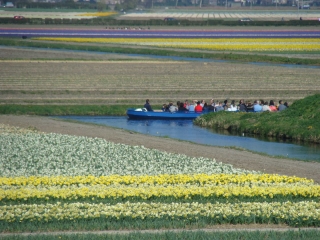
101, 6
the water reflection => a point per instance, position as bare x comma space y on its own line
185, 130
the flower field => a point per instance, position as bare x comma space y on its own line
59, 182
217, 44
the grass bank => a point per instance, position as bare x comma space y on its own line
58, 110
300, 122
54, 110
267, 235
162, 52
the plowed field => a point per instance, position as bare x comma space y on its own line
124, 82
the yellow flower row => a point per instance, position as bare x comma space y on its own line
242, 44
98, 14
218, 179
299, 211
186, 191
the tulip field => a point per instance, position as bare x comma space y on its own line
217, 44
53, 182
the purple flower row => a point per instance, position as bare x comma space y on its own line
148, 33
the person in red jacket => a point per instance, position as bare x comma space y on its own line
198, 108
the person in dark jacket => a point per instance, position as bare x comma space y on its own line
148, 106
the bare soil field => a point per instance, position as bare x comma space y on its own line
94, 79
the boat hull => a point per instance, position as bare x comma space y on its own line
132, 114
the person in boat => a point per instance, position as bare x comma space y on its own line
205, 107
211, 106
281, 106
191, 107
165, 108
148, 106
203, 102
172, 108
186, 104
212, 103
181, 108
249, 107
256, 106
225, 102
219, 107
233, 107
242, 106
265, 107
198, 108
272, 107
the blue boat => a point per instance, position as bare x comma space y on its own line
142, 114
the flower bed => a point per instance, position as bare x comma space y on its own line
43, 182
220, 44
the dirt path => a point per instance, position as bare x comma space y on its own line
239, 159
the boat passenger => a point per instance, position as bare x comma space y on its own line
256, 106
249, 107
186, 104
205, 107
165, 108
198, 108
272, 107
219, 107
233, 107
265, 107
281, 106
212, 103
211, 108
148, 106
191, 107
172, 108
182, 108
242, 107
225, 102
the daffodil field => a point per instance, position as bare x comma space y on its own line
61, 182
218, 44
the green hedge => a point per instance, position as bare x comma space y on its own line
156, 22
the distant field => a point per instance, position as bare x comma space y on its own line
125, 82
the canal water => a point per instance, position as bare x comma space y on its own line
185, 130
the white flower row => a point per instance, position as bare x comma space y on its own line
38, 154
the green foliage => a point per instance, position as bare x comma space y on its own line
131, 224
115, 110
312, 234
131, 4
126, 5
184, 234
299, 122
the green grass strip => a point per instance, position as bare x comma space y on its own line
56, 110
183, 234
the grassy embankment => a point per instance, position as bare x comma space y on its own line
267, 235
162, 52
299, 122
53, 110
